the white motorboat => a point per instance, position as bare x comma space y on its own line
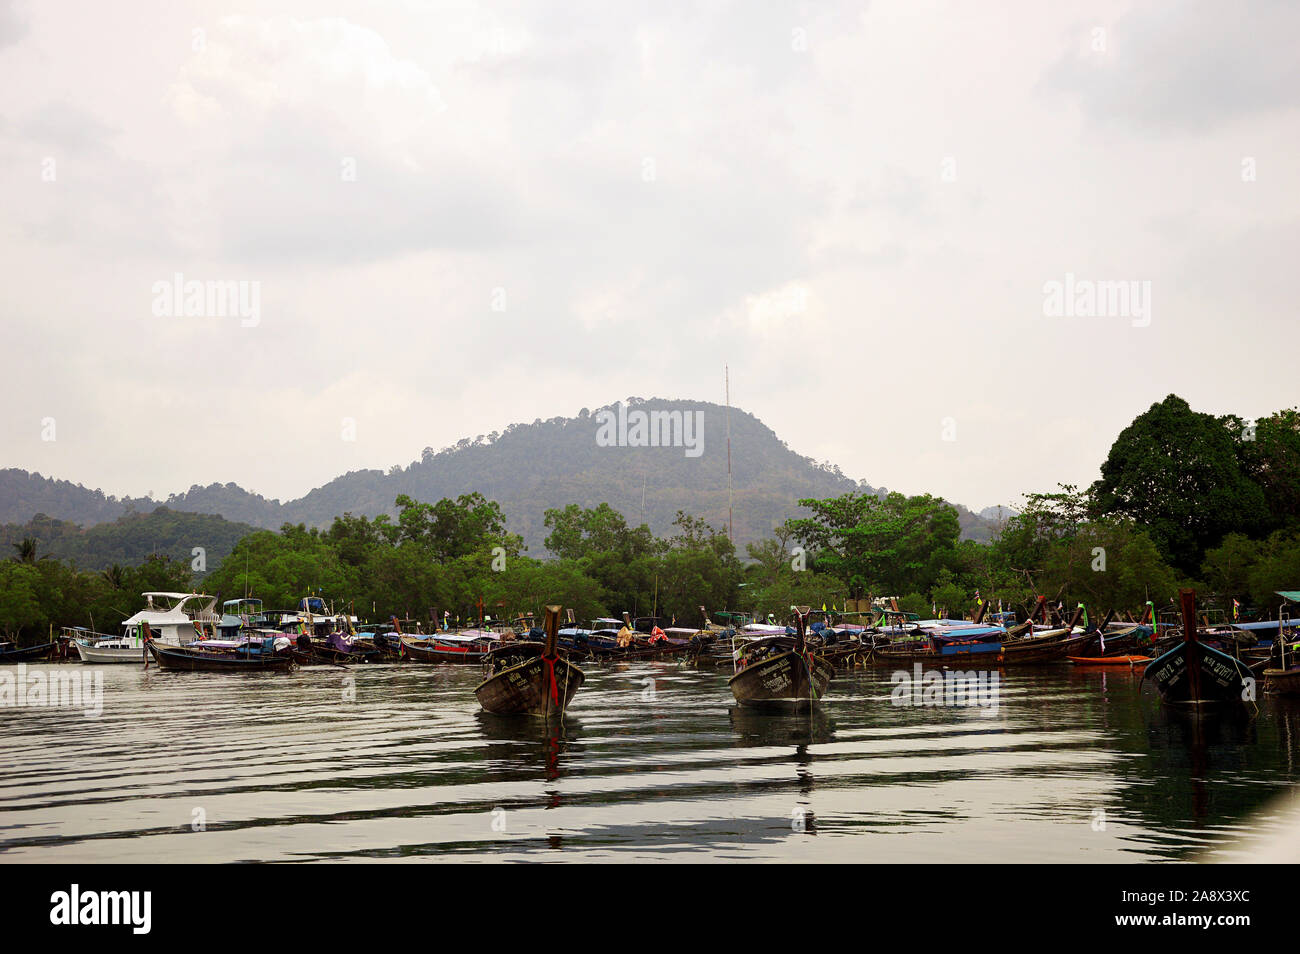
174, 619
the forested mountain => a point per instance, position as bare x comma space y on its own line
131, 539
526, 468
1185, 498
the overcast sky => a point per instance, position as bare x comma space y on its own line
465, 215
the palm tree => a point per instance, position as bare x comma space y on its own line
115, 576
26, 550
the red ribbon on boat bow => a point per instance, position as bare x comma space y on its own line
555, 689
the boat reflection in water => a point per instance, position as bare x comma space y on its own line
520, 744
762, 727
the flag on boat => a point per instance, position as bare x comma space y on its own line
1236, 609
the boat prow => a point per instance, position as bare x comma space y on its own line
787, 682
530, 678
1193, 673
772, 676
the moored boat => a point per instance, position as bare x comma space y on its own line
469, 646
780, 672
9, 653
1192, 673
530, 678
1283, 682
1132, 662
250, 655
171, 619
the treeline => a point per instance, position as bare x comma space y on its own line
1184, 498
456, 557
40, 594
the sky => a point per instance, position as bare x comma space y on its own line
456, 216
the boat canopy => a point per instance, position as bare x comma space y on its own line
1292, 596
464, 636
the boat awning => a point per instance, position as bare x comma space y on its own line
1292, 595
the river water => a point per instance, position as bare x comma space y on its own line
653, 760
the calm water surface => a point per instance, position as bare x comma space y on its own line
653, 761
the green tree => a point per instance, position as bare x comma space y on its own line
1270, 456
1177, 472
20, 598
896, 543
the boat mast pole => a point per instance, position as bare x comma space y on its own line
801, 617
727, 387
552, 631
1188, 599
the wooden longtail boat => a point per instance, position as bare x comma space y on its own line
467, 647
1283, 682
334, 650
202, 660
1129, 661
1050, 651
528, 678
9, 653
1193, 673
782, 674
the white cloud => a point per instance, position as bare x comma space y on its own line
861, 228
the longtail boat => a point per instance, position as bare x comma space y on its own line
335, 649
465, 646
781, 672
9, 653
1284, 681
1193, 673
952, 642
1132, 662
470, 646
271, 653
212, 659
529, 678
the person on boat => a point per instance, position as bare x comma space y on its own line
625, 636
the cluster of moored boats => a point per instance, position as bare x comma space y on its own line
536, 668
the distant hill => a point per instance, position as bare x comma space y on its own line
527, 468
131, 538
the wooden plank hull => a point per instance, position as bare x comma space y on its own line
447, 653
969, 656
1220, 676
187, 660
538, 687
785, 682
1127, 662
1041, 653
1283, 682
1132, 642
988, 655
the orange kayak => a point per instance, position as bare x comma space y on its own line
1133, 661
